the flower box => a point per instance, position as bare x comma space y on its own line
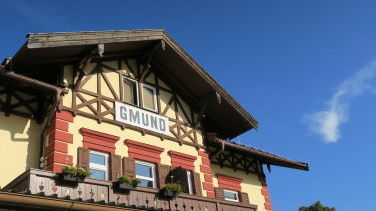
123, 186
125, 183
69, 177
172, 190
170, 193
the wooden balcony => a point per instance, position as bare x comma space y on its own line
45, 184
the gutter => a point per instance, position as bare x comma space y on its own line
30, 201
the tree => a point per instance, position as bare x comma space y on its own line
317, 206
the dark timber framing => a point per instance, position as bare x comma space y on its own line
235, 156
192, 81
184, 130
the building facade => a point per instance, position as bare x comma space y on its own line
123, 103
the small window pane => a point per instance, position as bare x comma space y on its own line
189, 177
146, 184
130, 91
97, 174
231, 195
97, 159
143, 170
148, 98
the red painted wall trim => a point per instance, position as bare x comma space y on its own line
205, 168
59, 158
182, 160
203, 154
99, 135
145, 152
182, 156
151, 148
208, 186
56, 146
230, 183
58, 140
60, 136
265, 193
99, 141
64, 115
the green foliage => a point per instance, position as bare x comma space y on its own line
317, 206
136, 181
133, 181
175, 187
68, 169
124, 179
82, 172
76, 171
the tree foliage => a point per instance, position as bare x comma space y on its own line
317, 206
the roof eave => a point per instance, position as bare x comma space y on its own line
264, 157
62, 39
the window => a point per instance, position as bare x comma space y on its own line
130, 91
98, 165
149, 97
189, 178
231, 195
146, 173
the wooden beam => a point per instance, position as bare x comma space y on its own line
84, 63
149, 56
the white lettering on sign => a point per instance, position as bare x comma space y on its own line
139, 117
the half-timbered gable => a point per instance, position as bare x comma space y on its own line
94, 96
123, 104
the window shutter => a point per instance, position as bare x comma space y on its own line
115, 167
129, 169
197, 183
244, 197
83, 158
219, 194
163, 171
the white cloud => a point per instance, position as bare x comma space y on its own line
327, 121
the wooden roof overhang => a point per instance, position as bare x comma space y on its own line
240, 157
223, 114
27, 97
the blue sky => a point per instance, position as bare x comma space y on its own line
304, 69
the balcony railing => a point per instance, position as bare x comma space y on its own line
47, 184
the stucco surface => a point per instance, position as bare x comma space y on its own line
19, 151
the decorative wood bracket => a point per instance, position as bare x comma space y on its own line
232, 159
204, 103
149, 56
84, 62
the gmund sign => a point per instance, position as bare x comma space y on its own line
139, 117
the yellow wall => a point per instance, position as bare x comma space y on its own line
113, 77
250, 184
19, 151
121, 148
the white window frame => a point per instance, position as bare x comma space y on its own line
190, 183
231, 191
137, 93
99, 167
153, 178
154, 96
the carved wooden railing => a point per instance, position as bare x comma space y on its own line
47, 184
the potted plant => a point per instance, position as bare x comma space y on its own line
73, 174
125, 183
172, 190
